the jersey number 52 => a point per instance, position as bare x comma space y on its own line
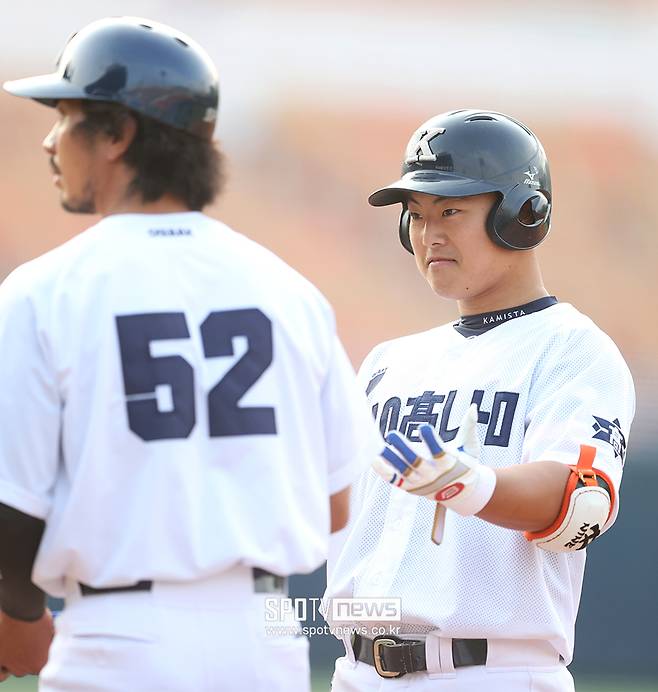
142, 373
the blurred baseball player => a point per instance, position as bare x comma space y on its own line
178, 415
507, 434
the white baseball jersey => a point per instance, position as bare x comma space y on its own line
174, 401
544, 384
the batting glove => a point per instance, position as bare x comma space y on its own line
451, 474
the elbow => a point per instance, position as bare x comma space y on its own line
339, 505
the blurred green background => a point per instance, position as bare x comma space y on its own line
318, 101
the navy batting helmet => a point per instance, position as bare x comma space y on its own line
471, 152
146, 66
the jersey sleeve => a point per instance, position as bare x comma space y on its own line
350, 431
584, 395
30, 406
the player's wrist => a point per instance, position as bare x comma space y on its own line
469, 496
24, 612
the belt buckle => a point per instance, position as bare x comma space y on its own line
376, 654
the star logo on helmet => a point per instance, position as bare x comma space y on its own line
419, 151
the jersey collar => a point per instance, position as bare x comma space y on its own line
474, 325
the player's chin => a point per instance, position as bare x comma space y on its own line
445, 289
77, 206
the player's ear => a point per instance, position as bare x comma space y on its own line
120, 139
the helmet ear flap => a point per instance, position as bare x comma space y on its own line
521, 220
405, 220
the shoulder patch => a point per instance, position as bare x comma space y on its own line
611, 433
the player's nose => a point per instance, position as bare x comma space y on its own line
49, 141
434, 234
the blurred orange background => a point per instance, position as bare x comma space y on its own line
318, 101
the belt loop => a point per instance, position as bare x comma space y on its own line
347, 640
438, 655
432, 656
267, 582
445, 655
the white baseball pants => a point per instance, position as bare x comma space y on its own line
206, 636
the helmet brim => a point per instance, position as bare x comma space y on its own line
435, 183
46, 88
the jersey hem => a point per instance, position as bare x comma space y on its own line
344, 477
23, 501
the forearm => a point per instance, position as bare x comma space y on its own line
20, 536
527, 497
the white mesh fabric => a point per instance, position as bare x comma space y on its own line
124, 499
484, 580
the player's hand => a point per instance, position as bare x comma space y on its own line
450, 473
24, 645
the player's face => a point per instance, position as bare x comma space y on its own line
72, 159
453, 251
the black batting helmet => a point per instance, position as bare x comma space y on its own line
471, 152
146, 66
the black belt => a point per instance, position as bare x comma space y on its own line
393, 657
264, 582
86, 590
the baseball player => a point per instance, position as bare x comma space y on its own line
507, 434
178, 416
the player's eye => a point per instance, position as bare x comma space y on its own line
450, 212
415, 216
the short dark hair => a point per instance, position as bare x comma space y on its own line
165, 160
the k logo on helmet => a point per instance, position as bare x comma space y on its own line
420, 151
